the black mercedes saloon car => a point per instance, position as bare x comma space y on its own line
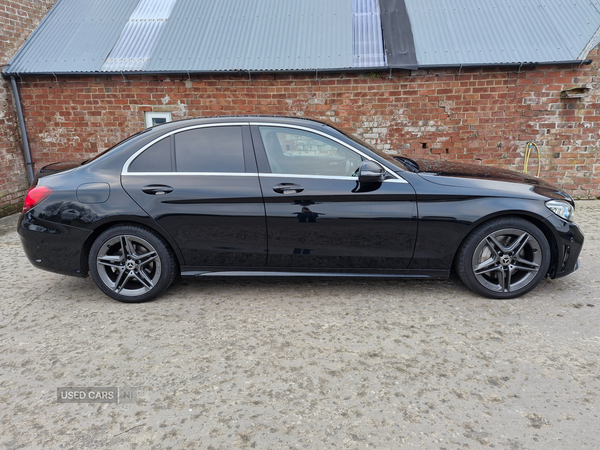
288, 196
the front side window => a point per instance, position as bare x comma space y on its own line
211, 149
292, 151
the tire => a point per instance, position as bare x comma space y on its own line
504, 258
131, 264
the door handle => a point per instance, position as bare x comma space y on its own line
288, 188
157, 189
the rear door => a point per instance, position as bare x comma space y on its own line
200, 184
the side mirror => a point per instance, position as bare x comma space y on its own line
370, 172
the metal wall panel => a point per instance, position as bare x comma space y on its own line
500, 31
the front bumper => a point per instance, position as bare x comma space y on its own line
569, 241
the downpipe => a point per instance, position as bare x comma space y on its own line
26, 151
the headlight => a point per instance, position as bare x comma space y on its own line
561, 209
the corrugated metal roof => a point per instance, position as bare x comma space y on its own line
501, 31
94, 36
255, 35
596, 38
75, 36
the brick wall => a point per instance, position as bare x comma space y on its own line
18, 18
476, 115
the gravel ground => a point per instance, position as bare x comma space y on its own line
307, 363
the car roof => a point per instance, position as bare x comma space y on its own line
162, 128
243, 118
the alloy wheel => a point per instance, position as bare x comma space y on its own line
507, 260
128, 265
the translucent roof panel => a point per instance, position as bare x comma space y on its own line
367, 36
136, 44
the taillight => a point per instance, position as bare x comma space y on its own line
36, 195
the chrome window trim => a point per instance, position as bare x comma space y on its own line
254, 174
125, 170
208, 174
291, 175
339, 141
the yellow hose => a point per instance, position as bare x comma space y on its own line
528, 153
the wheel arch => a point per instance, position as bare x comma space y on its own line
535, 219
114, 221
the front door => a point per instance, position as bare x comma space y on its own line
318, 216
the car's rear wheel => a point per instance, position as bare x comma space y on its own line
131, 264
504, 258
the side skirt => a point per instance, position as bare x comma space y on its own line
203, 272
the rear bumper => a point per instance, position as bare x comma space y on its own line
51, 246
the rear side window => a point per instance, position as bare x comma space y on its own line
215, 149
156, 158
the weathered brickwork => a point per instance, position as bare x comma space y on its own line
477, 115
18, 18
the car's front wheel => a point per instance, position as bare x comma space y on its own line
131, 264
504, 258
